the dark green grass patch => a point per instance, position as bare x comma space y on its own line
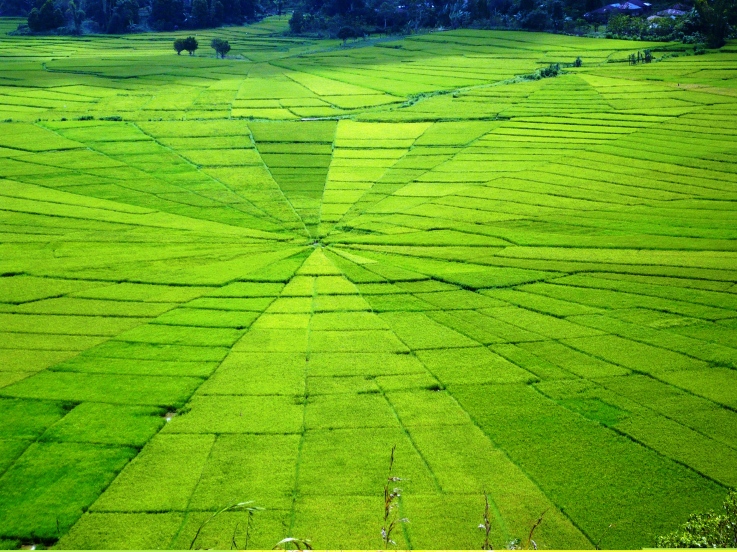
50, 486
27, 419
10, 450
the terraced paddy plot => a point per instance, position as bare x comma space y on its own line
249, 278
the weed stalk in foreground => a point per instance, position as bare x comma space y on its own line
516, 544
242, 506
391, 504
486, 526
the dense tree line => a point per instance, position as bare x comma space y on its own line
121, 16
711, 21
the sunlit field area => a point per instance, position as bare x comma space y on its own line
247, 279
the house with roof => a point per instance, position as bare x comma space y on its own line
629, 7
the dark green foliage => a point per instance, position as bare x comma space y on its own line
200, 13
220, 46
191, 45
536, 20
296, 22
179, 45
124, 14
344, 33
167, 14
47, 18
716, 17
15, 8
709, 530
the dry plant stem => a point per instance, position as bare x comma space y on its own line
237, 506
233, 543
533, 529
486, 526
391, 504
597, 546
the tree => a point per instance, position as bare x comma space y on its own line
200, 13
297, 22
248, 9
191, 45
716, 16
526, 6
15, 8
536, 20
220, 46
125, 14
47, 18
179, 45
217, 13
75, 16
167, 15
344, 33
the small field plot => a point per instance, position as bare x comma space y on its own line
253, 278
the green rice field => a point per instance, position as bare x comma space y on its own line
248, 279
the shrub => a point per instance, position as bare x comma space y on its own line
709, 530
179, 45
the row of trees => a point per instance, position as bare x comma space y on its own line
190, 45
712, 20
329, 16
121, 16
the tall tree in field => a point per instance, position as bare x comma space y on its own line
716, 17
191, 45
220, 46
